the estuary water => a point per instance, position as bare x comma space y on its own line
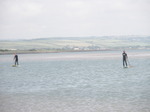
75, 82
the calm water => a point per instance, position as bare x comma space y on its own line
97, 78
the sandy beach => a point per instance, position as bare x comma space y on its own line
77, 55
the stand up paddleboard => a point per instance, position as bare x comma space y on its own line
128, 67
14, 65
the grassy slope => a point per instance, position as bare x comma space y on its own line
50, 43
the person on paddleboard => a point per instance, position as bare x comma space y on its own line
16, 59
125, 57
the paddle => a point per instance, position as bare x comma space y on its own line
129, 63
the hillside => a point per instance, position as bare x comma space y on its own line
76, 43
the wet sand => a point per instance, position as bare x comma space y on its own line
75, 56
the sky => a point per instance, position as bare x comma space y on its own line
27, 19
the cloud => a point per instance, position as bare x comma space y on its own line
46, 18
26, 9
21, 9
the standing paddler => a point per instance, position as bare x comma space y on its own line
125, 57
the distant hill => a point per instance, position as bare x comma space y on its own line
77, 43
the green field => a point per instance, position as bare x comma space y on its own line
74, 43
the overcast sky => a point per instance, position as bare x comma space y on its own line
70, 18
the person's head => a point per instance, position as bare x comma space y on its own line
124, 51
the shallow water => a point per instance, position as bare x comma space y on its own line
70, 82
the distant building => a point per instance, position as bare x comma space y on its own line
76, 48
12, 49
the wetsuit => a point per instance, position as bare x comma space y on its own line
16, 59
124, 59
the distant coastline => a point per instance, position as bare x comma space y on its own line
74, 44
43, 51
7, 52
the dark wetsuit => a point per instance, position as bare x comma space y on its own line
16, 59
124, 59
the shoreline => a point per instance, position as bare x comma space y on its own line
55, 51
86, 55
59, 51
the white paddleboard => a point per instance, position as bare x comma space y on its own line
14, 65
